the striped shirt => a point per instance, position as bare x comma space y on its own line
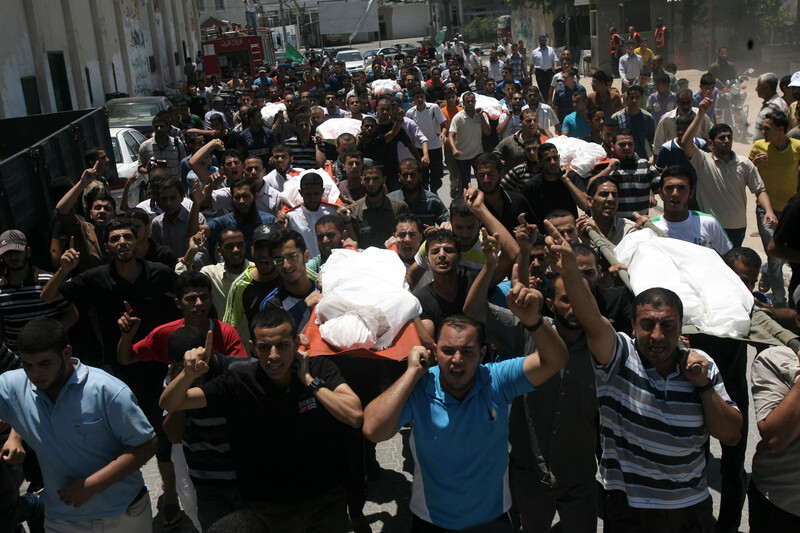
652, 430
19, 304
636, 180
304, 156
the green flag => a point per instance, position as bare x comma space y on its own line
293, 53
440, 35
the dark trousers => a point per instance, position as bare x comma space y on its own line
543, 80
322, 514
500, 524
433, 174
730, 356
615, 65
736, 235
622, 518
766, 517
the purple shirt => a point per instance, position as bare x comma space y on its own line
658, 106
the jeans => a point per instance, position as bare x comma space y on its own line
432, 174
774, 265
250, 22
452, 168
138, 518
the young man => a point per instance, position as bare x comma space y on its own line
297, 293
281, 160
146, 247
369, 221
678, 222
432, 122
630, 65
257, 140
305, 400
448, 465
512, 149
562, 97
611, 102
350, 187
603, 202
637, 178
330, 235
465, 133
506, 206
303, 218
267, 198
427, 206
161, 147
649, 371
662, 100
407, 237
554, 188
89, 435
576, 123
170, 227
639, 122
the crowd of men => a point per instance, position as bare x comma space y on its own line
540, 384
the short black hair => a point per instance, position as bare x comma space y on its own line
594, 110
42, 335
678, 171
442, 235
137, 213
172, 183
101, 196
602, 76
546, 147
662, 79
658, 297
460, 322
685, 120
597, 182
334, 219
779, 119
747, 256
558, 213
636, 89
622, 132
458, 208
708, 79
310, 179
191, 279
716, 129
282, 148
408, 217
92, 154
182, 340
117, 223
271, 317
489, 158
278, 238
244, 182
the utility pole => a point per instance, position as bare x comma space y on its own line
283, 23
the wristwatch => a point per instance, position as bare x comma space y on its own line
701, 390
537, 325
316, 384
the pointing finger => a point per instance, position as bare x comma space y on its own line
72, 243
521, 219
128, 308
209, 345
515, 274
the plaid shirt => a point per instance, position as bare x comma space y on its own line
517, 64
636, 179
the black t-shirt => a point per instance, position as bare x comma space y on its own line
616, 304
515, 203
258, 144
787, 232
545, 196
257, 295
197, 106
386, 153
286, 446
434, 93
436, 308
102, 288
160, 254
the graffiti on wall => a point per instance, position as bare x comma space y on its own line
138, 52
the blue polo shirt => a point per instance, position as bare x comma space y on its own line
461, 448
95, 416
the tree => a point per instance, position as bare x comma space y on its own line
484, 27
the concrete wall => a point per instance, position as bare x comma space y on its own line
528, 23
406, 20
107, 46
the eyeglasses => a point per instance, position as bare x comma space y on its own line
290, 258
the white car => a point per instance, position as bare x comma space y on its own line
125, 142
353, 60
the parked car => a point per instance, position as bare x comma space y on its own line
136, 112
353, 60
125, 143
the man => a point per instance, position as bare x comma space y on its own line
267, 198
767, 90
785, 244
637, 178
615, 44
661, 39
464, 134
427, 207
170, 227
222, 274
516, 177
708, 89
558, 78
380, 138
304, 216
255, 286
435, 87
87, 235
777, 158
629, 66
245, 215
450, 109
495, 66
370, 220
658, 68
611, 102
217, 109
546, 118
562, 97
510, 119
90, 437
305, 152
543, 61
646, 55
282, 161
773, 487
312, 443
193, 299
678, 222
431, 121
330, 236
447, 465
603, 194
554, 188
723, 179
552, 435
516, 61
146, 248
576, 124
407, 237
658, 379
667, 130
257, 140
662, 100
722, 69
20, 286
504, 205
164, 150
639, 122
596, 118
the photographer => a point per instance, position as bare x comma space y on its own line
162, 147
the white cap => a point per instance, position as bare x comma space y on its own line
795, 82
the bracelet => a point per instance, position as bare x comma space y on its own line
707, 386
536, 326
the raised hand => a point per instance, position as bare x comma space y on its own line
195, 361
70, 257
560, 256
524, 302
473, 198
419, 358
525, 234
129, 323
490, 247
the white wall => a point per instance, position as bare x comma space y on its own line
15, 61
409, 20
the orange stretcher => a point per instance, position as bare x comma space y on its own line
398, 351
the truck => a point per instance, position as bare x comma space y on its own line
223, 56
36, 149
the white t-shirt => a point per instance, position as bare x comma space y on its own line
267, 199
429, 121
469, 134
302, 221
699, 228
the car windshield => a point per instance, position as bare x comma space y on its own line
349, 56
115, 146
132, 113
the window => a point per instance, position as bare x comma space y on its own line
201, 5
219, 4
132, 145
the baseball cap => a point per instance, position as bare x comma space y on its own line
13, 240
262, 232
795, 81
262, 69
542, 36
